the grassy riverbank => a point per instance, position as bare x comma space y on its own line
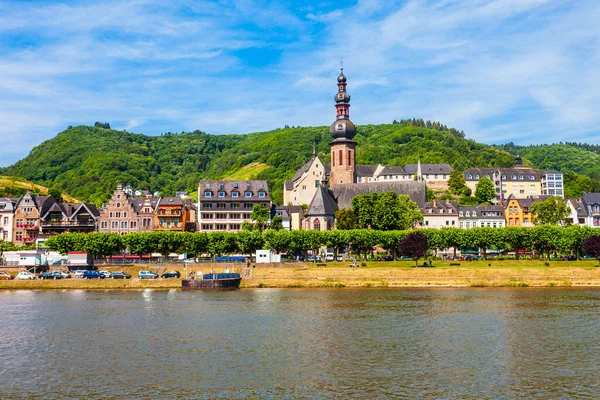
509, 273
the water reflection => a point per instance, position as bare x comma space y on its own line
266, 343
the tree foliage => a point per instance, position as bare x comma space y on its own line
485, 190
414, 245
550, 211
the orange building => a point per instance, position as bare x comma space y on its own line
172, 214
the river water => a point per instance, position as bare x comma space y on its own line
268, 343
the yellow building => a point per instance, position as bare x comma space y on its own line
518, 212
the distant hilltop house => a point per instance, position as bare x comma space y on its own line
518, 181
224, 205
326, 188
124, 213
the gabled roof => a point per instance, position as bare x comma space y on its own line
289, 185
393, 171
578, 203
138, 202
440, 207
507, 172
480, 210
443, 169
365, 170
323, 203
590, 198
170, 201
344, 193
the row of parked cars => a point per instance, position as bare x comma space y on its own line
87, 274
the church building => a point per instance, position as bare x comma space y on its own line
328, 188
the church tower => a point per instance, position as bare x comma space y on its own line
343, 148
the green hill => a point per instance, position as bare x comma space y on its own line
88, 162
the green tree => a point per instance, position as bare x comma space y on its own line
277, 240
249, 242
220, 243
195, 243
276, 223
485, 190
550, 211
345, 219
456, 182
260, 215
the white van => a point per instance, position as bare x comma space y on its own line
329, 257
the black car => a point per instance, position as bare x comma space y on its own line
119, 275
171, 274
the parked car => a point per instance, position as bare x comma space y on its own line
171, 274
340, 258
24, 275
105, 273
79, 273
49, 275
89, 274
329, 257
470, 257
5, 276
147, 275
63, 274
119, 275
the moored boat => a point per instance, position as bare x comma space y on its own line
213, 281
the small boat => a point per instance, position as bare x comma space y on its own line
213, 281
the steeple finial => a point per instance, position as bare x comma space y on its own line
419, 173
314, 153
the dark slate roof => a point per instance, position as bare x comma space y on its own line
138, 202
578, 203
170, 201
323, 203
365, 170
189, 204
393, 171
216, 186
591, 198
440, 207
345, 192
507, 172
302, 170
480, 210
411, 169
289, 185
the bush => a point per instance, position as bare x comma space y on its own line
363, 264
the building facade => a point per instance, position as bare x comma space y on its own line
125, 214
440, 214
171, 214
7, 212
224, 205
481, 216
518, 212
591, 201
519, 181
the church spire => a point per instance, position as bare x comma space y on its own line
419, 173
342, 129
314, 153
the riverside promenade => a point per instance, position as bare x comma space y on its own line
376, 274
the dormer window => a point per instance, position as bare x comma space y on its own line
221, 186
235, 185
503, 176
532, 177
221, 194
470, 176
468, 214
476, 176
514, 177
260, 186
520, 177
460, 213
207, 194
579, 211
247, 186
234, 194
248, 194
261, 194
474, 213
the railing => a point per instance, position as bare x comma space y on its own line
66, 224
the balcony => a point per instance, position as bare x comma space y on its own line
67, 224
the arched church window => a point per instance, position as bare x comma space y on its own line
317, 224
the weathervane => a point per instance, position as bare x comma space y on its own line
342, 62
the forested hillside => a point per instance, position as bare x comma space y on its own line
88, 162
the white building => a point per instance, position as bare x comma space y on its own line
481, 216
7, 212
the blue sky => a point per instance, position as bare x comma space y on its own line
501, 70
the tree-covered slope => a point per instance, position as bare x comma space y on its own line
88, 162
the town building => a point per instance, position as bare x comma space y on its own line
519, 181
7, 211
481, 216
326, 188
578, 212
518, 211
172, 214
27, 217
591, 201
224, 205
291, 216
125, 214
68, 217
436, 176
440, 214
